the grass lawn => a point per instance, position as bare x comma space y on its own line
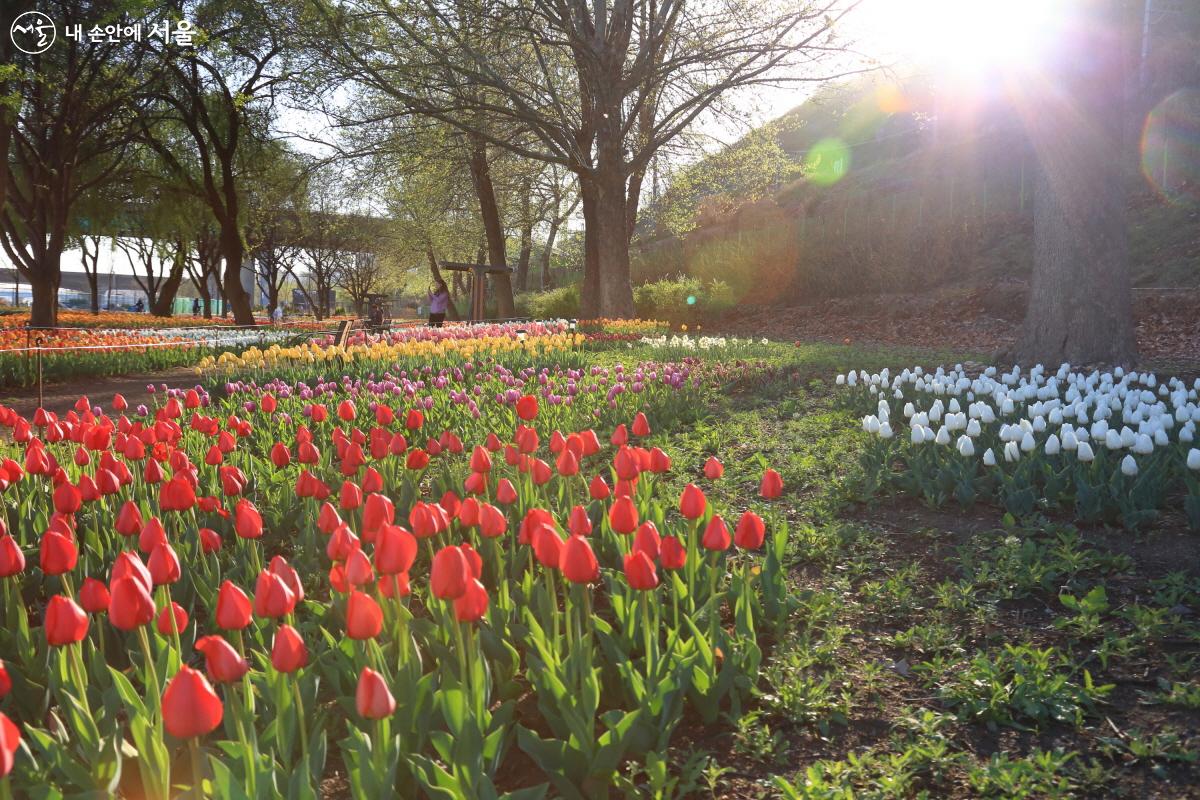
944, 652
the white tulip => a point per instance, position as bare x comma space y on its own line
1186, 435
1112, 439
973, 428
1193, 459
871, 424
943, 436
1128, 437
989, 458
1028, 443
1069, 442
1052, 445
885, 430
1007, 407
917, 436
1161, 439
909, 410
1084, 452
1012, 452
1129, 466
1143, 445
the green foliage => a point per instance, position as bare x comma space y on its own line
683, 299
561, 303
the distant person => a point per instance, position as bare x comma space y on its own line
195, 306
139, 306
277, 315
439, 301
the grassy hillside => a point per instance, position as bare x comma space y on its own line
875, 188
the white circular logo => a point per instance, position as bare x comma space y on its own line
32, 32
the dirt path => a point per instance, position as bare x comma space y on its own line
61, 397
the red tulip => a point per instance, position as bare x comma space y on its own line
473, 603
598, 488
130, 606
350, 497
506, 493
716, 535
58, 553
626, 464
190, 707
492, 522
67, 499
620, 436
579, 523
129, 519
450, 572
127, 564
288, 652
223, 663
358, 569
422, 521
10, 741
177, 495
623, 515
772, 485
119, 402
639, 571
164, 565
64, 621
210, 540
672, 553
280, 456
395, 550
713, 468
175, 614
378, 512
527, 407
272, 597
692, 502
547, 546
647, 540
476, 483
577, 561
247, 522
468, 512
152, 535
346, 411
328, 519
750, 531
342, 542
481, 460
93, 596
414, 420
268, 403
540, 471
5, 681
288, 574
641, 426
153, 473
372, 698
233, 607
567, 463
364, 617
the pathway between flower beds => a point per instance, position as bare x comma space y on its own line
61, 397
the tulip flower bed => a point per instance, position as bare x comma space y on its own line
1114, 447
466, 579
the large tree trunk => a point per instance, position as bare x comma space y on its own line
481, 177
1080, 305
607, 283
231, 283
164, 304
44, 287
589, 293
526, 252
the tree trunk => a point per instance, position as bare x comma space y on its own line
231, 283
526, 252
607, 291
164, 304
548, 251
493, 228
1080, 305
44, 287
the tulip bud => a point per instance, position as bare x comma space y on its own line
640, 572
577, 561
288, 652
623, 515
364, 617
64, 622
716, 535
692, 503
372, 699
190, 707
772, 485
233, 607
93, 596
223, 663
473, 603
750, 531
172, 615
713, 469
449, 574
672, 553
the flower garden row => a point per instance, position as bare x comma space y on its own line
217, 593
1117, 447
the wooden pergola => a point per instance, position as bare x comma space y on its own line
478, 283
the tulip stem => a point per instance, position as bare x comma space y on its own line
197, 768
78, 671
301, 723
154, 688
246, 750
649, 643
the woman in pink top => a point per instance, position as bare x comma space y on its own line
439, 300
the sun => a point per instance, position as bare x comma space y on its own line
965, 39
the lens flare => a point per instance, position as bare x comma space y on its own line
827, 162
1170, 147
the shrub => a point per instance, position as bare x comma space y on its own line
553, 304
668, 298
